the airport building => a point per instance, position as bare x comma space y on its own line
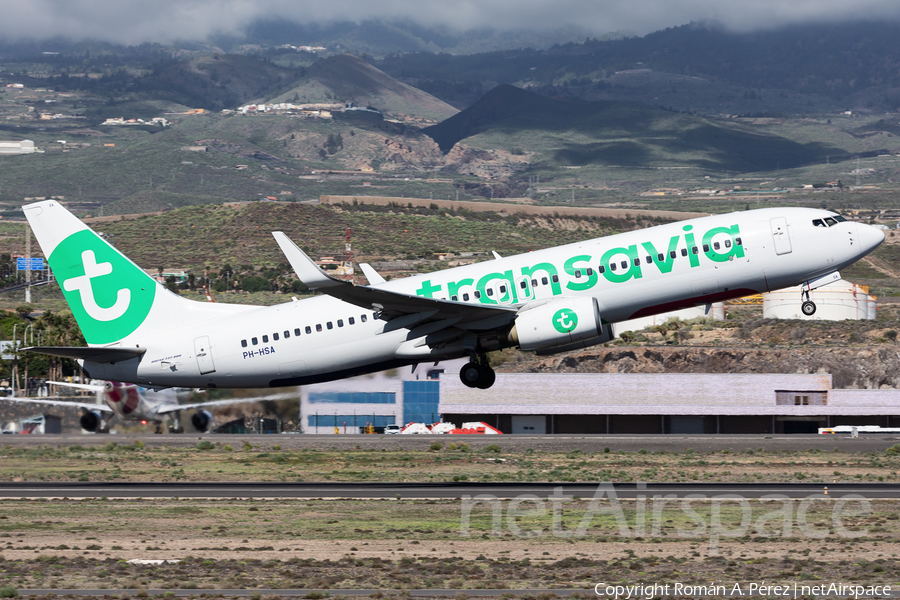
656, 403
21, 147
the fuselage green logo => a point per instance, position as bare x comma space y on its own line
109, 296
565, 320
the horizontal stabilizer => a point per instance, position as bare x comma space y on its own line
100, 355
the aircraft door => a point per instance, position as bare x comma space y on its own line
525, 292
781, 236
204, 355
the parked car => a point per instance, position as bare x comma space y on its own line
391, 429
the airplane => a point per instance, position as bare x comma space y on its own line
548, 301
130, 403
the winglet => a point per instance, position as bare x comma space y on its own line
496, 256
308, 271
371, 274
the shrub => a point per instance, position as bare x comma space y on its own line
205, 445
463, 447
492, 448
435, 446
139, 445
8, 591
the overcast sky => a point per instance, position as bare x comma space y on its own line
137, 21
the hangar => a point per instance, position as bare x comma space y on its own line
655, 403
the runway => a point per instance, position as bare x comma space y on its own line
413, 491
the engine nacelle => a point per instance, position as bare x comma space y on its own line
201, 420
91, 421
558, 323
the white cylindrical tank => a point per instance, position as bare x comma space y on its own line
871, 312
836, 301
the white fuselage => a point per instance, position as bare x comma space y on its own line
737, 254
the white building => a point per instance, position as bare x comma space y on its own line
22, 147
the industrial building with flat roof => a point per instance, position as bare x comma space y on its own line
655, 403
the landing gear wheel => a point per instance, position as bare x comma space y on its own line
808, 308
487, 379
470, 374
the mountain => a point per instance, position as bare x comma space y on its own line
577, 132
811, 68
348, 78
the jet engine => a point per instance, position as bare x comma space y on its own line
91, 421
562, 322
201, 420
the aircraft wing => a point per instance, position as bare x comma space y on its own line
168, 408
60, 402
391, 305
111, 354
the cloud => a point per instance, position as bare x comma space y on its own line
135, 22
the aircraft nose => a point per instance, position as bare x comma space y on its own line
869, 237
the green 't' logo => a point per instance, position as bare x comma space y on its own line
109, 296
565, 320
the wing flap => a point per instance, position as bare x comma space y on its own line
101, 355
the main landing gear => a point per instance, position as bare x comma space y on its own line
477, 373
808, 307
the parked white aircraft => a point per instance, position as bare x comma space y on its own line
130, 403
548, 301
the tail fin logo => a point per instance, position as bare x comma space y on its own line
82, 285
108, 294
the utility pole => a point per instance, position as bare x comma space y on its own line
27, 264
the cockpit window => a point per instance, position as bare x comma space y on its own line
819, 223
831, 222
839, 218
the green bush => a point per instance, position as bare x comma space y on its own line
8, 591
492, 448
205, 445
435, 446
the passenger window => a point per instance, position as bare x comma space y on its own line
243, 343
287, 334
318, 327
705, 248
523, 284
352, 321
672, 254
375, 316
660, 257
454, 298
465, 296
612, 266
477, 294
695, 250
637, 262
818, 223
329, 325
737, 241
490, 291
727, 244
544, 281
684, 251
624, 264
534, 283
601, 269
555, 279
274, 337
577, 273
265, 339
590, 271
831, 222
297, 331
362, 318
716, 245
308, 329
254, 341
340, 322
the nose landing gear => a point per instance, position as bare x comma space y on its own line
477, 373
808, 307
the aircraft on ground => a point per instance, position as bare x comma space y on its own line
130, 403
548, 301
